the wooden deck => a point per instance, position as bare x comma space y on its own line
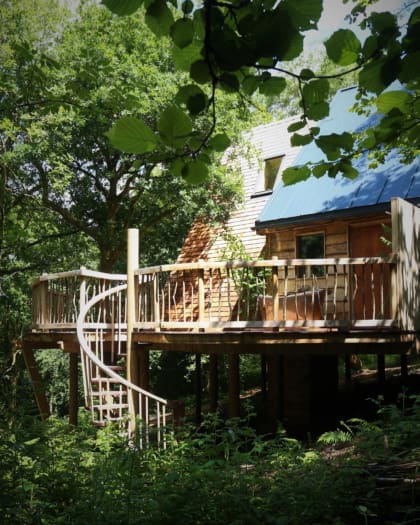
298, 314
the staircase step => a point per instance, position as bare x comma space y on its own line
113, 406
109, 393
99, 380
117, 368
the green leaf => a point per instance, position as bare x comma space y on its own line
182, 32
131, 135
219, 142
343, 47
195, 172
296, 126
348, 170
176, 167
193, 97
174, 126
305, 13
197, 103
159, 18
187, 7
320, 170
334, 144
199, 71
316, 90
306, 74
122, 7
318, 111
183, 58
273, 86
250, 84
409, 68
394, 99
300, 140
185, 92
370, 77
295, 174
230, 82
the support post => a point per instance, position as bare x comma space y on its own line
132, 362
37, 386
404, 369
73, 384
213, 382
234, 386
347, 370
274, 391
198, 388
381, 369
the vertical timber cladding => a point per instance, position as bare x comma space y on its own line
283, 244
406, 243
367, 240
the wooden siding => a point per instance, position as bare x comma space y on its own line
209, 243
282, 243
406, 241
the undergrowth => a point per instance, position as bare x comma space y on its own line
218, 473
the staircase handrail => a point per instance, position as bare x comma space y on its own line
81, 272
85, 347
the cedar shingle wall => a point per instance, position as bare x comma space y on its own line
203, 242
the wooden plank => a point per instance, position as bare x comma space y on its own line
405, 241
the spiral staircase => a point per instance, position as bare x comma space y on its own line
109, 395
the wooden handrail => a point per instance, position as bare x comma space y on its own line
262, 293
261, 263
91, 361
217, 294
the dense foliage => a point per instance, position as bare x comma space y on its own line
219, 473
245, 46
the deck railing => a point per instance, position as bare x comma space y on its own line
57, 299
327, 292
280, 293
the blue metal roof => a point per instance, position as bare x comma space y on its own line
314, 199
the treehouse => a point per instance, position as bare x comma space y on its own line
321, 284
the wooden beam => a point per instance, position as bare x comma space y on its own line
36, 380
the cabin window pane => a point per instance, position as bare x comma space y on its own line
271, 170
310, 247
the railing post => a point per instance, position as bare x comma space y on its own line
275, 278
132, 369
82, 292
156, 302
396, 267
45, 313
201, 295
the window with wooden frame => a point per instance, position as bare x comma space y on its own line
271, 170
310, 246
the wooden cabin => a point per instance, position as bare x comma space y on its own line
320, 283
266, 152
